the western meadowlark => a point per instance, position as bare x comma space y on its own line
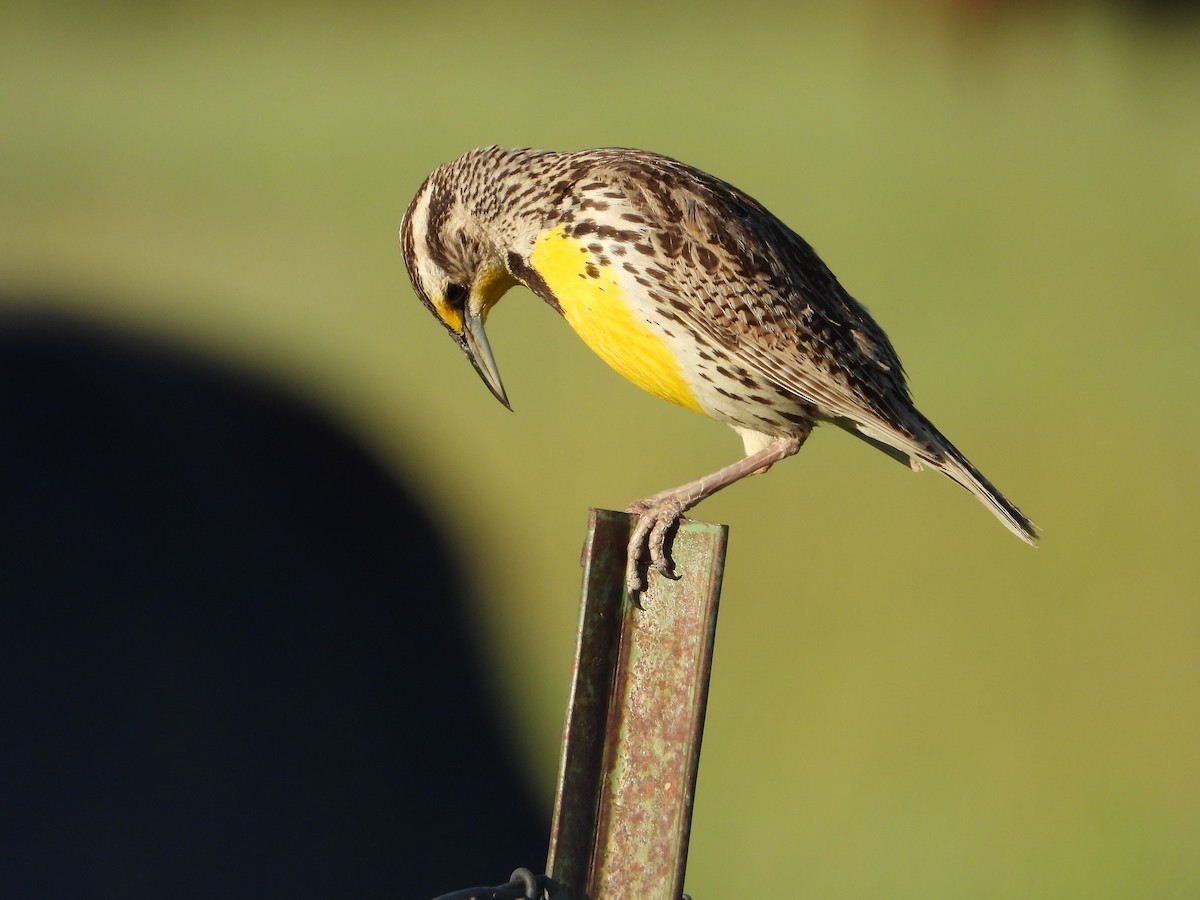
689, 288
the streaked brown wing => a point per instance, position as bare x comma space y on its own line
748, 282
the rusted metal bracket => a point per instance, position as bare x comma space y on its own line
631, 743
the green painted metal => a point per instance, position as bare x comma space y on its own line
631, 742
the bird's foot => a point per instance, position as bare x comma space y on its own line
657, 517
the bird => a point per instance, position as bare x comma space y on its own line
688, 287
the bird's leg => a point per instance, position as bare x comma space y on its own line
657, 514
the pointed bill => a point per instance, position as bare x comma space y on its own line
479, 351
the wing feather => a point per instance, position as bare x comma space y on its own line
757, 288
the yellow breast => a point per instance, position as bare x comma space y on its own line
598, 309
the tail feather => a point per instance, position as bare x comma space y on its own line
959, 468
926, 446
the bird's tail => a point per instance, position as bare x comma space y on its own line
948, 460
921, 444
959, 468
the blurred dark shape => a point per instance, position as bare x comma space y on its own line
233, 651
1159, 9
1166, 8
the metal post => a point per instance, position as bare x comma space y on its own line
631, 743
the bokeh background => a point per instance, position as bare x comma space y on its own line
907, 701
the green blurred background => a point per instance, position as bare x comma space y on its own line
907, 701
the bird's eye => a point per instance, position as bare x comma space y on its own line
456, 295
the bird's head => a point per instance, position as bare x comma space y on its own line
457, 266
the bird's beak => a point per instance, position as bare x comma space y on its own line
479, 351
